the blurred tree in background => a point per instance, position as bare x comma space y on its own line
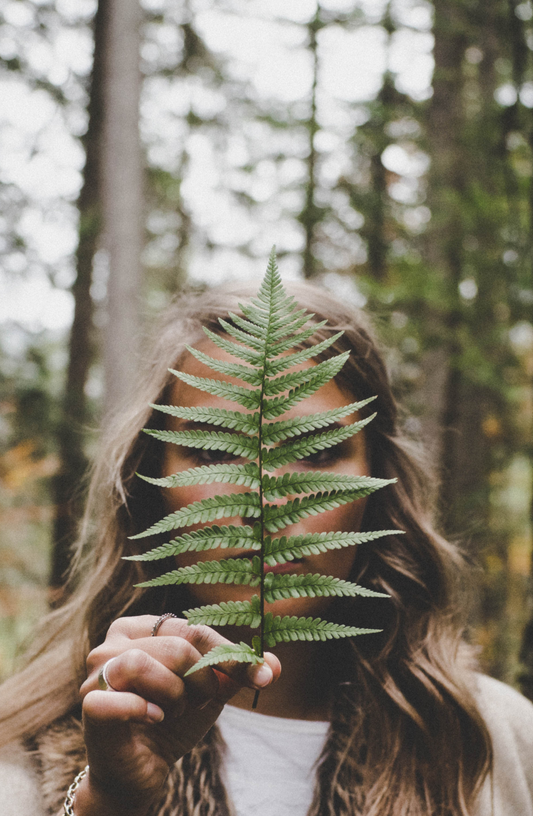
384, 147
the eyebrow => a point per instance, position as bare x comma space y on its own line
192, 425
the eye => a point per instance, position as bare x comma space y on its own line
212, 457
324, 458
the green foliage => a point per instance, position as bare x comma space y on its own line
266, 335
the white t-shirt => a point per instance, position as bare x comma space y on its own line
270, 762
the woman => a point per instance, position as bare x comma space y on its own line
389, 724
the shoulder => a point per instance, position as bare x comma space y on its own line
509, 719
19, 786
508, 715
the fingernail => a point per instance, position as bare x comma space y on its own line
154, 713
262, 676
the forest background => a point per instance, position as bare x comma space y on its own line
386, 148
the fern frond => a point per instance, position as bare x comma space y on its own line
291, 628
274, 367
235, 443
255, 343
227, 613
247, 397
230, 653
273, 306
252, 330
285, 331
275, 349
321, 371
272, 337
275, 406
277, 516
276, 487
246, 373
287, 548
232, 420
206, 538
311, 585
297, 426
245, 475
235, 349
226, 571
200, 512
305, 446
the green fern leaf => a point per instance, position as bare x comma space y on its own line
235, 349
227, 613
252, 330
305, 446
246, 423
245, 475
247, 397
255, 343
287, 548
235, 443
321, 371
274, 367
294, 340
272, 337
287, 330
297, 426
249, 375
230, 653
279, 516
277, 487
226, 571
206, 538
291, 628
311, 585
200, 512
275, 406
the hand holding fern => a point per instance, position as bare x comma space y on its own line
129, 747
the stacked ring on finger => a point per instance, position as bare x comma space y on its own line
160, 620
103, 679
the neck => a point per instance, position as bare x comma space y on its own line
303, 689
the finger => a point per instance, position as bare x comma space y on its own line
232, 676
154, 670
265, 673
202, 638
101, 707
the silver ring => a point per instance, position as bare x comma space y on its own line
103, 679
160, 620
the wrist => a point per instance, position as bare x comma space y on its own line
90, 799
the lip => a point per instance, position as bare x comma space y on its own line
277, 569
281, 569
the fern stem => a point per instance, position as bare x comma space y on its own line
261, 502
261, 523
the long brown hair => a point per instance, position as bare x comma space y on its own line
407, 734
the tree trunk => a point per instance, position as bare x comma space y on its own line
67, 487
310, 216
122, 183
445, 236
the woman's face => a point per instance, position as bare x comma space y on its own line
350, 457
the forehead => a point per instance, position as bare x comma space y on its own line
327, 397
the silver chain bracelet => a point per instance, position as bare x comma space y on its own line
71, 793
